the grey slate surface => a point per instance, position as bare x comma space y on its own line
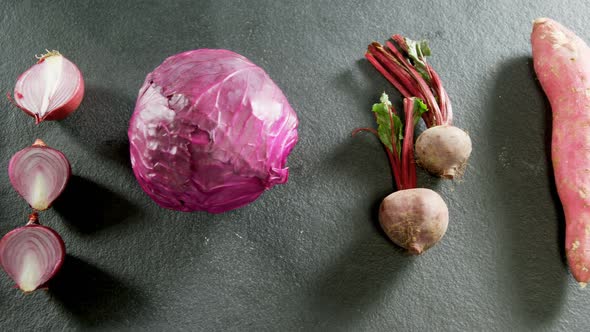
307, 255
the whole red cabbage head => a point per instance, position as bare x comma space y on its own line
211, 131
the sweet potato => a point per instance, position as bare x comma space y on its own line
562, 64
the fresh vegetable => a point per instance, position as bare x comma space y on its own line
39, 174
51, 89
442, 149
413, 218
562, 64
211, 131
31, 255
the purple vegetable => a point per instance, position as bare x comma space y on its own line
413, 218
39, 174
51, 89
31, 255
211, 131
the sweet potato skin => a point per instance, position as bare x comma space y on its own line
562, 64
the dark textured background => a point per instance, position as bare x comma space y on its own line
307, 255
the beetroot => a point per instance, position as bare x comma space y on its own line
413, 218
442, 149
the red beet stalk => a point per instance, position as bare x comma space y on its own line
398, 138
403, 63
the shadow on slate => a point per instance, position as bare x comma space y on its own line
101, 123
356, 284
548, 129
531, 223
88, 207
363, 275
116, 150
92, 295
367, 91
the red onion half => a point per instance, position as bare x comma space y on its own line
39, 174
51, 89
31, 255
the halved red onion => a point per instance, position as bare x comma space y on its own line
31, 255
39, 174
51, 89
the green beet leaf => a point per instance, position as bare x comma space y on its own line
385, 117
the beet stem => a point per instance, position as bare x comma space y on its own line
394, 162
370, 130
397, 69
395, 155
423, 86
386, 74
33, 219
408, 147
399, 153
394, 63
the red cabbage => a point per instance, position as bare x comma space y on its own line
211, 131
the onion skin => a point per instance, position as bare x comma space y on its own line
18, 173
16, 237
211, 132
63, 110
